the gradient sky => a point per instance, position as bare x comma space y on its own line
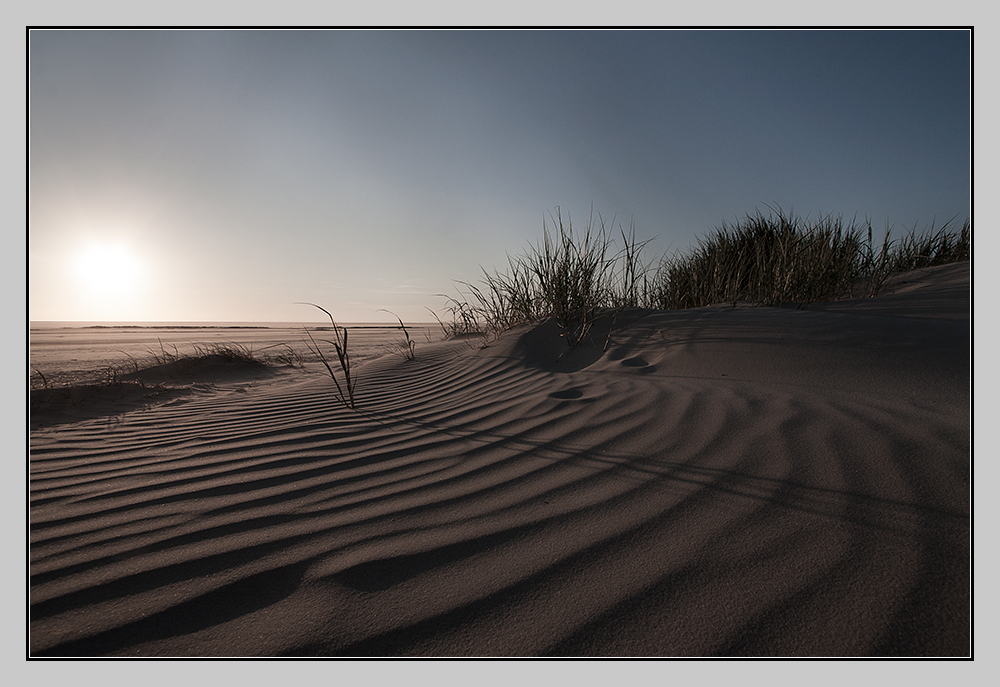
226, 175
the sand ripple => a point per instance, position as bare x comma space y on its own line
703, 487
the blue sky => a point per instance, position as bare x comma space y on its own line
226, 175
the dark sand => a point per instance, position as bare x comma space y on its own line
718, 482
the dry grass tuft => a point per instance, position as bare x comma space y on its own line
777, 259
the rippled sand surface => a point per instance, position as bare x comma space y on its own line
712, 482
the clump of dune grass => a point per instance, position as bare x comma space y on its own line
128, 371
572, 274
465, 319
345, 393
763, 260
772, 260
161, 358
230, 353
933, 247
466, 323
630, 281
288, 357
781, 259
570, 277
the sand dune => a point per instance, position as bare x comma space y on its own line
717, 482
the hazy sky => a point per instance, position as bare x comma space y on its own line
225, 175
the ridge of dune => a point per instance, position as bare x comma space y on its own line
708, 482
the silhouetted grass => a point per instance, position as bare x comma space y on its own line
933, 248
231, 353
777, 259
569, 277
465, 321
344, 393
773, 260
407, 346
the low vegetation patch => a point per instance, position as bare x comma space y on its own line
775, 259
163, 365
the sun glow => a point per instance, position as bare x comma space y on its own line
108, 278
103, 268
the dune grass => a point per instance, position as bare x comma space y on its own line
407, 347
774, 260
345, 393
765, 260
126, 371
231, 353
932, 248
224, 351
782, 259
569, 277
465, 321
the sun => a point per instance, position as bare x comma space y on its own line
109, 271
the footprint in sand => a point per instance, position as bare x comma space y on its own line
639, 364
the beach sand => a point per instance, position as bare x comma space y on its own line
720, 481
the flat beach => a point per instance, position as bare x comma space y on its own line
720, 481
